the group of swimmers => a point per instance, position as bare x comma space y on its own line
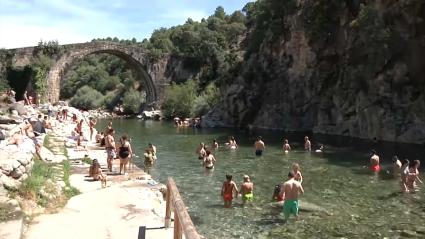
287, 193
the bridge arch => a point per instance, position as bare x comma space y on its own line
135, 56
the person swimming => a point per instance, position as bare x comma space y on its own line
291, 190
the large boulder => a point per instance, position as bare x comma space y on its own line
19, 107
9, 183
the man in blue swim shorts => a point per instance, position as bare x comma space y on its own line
290, 190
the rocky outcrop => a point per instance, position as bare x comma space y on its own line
353, 68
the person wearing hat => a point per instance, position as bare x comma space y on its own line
246, 189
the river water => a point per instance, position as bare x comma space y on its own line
353, 202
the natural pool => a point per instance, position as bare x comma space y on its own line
359, 204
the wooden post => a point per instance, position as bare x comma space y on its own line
168, 207
177, 226
182, 221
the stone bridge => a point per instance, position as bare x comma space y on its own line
151, 73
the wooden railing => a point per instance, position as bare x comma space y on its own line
182, 221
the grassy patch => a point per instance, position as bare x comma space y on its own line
72, 191
30, 187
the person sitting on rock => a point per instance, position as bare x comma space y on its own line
96, 173
46, 123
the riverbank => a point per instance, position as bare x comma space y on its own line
140, 201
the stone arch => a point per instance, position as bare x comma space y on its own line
135, 56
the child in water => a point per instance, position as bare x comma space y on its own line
277, 196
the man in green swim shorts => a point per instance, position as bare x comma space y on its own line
290, 190
247, 187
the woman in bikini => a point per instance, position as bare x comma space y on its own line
229, 187
96, 173
209, 160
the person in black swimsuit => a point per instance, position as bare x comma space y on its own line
124, 153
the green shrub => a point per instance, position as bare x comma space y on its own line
132, 101
87, 98
179, 99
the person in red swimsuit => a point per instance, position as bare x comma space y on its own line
374, 162
229, 187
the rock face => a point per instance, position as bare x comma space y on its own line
352, 68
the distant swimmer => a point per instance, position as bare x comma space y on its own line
277, 196
209, 160
152, 149
214, 144
201, 151
404, 172
227, 190
232, 143
297, 172
307, 144
396, 167
259, 146
247, 189
374, 162
413, 176
286, 147
320, 149
291, 190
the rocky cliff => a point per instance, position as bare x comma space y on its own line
353, 68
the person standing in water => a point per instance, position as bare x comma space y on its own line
214, 145
246, 190
413, 176
227, 190
291, 190
209, 160
404, 172
259, 146
374, 162
201, 151
297, 172
286, 146
232, 143
396, 167
307, 144
152, 148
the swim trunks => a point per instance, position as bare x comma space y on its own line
290, 206
375, 168
248, 197
110, 152
211, 167
258, 152
227, 197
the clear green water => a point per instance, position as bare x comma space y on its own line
362, 205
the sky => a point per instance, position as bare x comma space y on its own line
26, 22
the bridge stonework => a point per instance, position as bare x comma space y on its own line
150, 72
